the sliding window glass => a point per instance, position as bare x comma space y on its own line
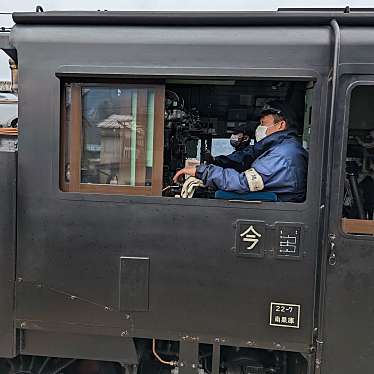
113, 139
358, 202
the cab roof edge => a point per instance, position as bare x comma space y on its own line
222, 18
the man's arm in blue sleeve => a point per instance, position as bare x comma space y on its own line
238, 160
229, 179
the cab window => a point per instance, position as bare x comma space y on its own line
358, 201
132, 138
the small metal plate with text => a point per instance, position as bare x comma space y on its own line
288, 240
249, 238
285, 315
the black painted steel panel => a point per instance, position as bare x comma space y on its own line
134, 284
70, 244
91, 347
348, 343
8, 172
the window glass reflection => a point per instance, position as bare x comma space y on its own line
117, 136
358, 202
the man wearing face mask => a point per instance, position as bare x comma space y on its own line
239, 140
276, 163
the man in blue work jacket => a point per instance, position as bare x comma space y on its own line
239, 140
276, 163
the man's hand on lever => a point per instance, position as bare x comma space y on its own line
190, 170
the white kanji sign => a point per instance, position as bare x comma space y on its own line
250, 236
287, 243
289, 240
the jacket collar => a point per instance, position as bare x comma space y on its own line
274, 139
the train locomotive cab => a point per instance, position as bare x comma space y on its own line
109, 264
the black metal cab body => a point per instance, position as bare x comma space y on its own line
74, 250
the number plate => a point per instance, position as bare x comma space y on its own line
285, 315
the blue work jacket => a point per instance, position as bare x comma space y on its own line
279, 159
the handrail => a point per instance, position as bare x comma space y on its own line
326, 207
336, 29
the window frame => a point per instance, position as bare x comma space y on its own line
347, 223
151, 75
74, 140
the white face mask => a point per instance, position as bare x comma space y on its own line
261, 132
235, 137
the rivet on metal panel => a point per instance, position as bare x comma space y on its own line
278, 345
124, 333
20, 279
106, 308
23, 325
127, 316
194, 366
217, 340
250, 342
190, 338
181, 364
